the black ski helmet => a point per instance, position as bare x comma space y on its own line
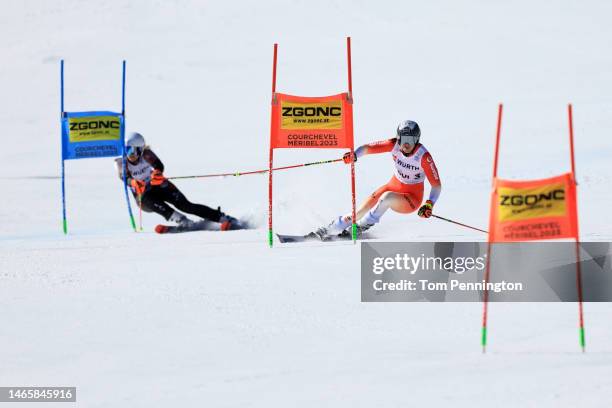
409, 132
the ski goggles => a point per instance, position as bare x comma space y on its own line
407, 139
133, 151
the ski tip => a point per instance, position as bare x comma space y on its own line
160, 229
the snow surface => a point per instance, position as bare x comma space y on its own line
219, 319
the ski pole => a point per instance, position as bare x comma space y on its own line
245, 173
140, 210
458, 223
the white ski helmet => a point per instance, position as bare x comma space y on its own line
135, 145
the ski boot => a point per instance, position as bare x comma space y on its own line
180, 219
361, 228
320, 233
363, 225
229, 223
334, 228
347, 233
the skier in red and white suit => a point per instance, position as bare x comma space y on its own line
404, 192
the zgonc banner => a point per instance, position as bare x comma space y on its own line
91, 134
312, 122
533, 210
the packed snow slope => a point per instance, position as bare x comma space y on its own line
219, 319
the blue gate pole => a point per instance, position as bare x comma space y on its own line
124, 159
123, 90
64, 221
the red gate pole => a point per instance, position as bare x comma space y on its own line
499, 122
578, 268
350, 71
483, 336
571, 136
350, 95
271, 162
274, 68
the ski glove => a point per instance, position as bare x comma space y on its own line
426, 209
157, 178
347, 158
138, 186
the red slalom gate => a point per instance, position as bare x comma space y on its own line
533, 223
302, 122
